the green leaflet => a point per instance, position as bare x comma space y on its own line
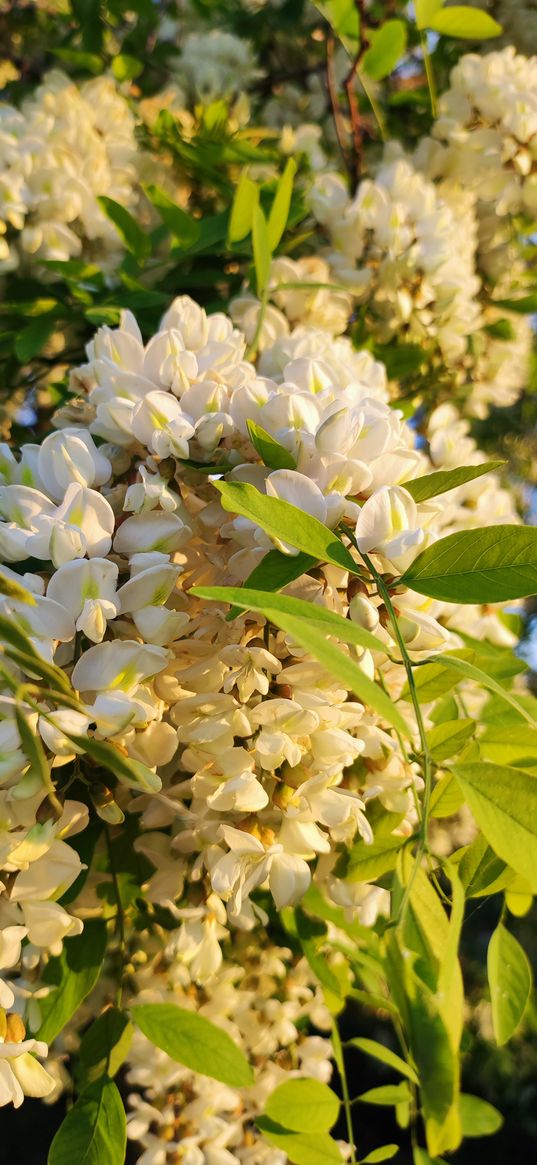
94, 1131
455, 661
386, 1094
510, 981
383, 1153
303, 1106
503, 801
183, 227
285, 522
449, 738
267, 604
463, 21
193, 1041
261, 249
301, 1148
135, 239
275, 571
387, 45
272, 454
481, 871
130, 772
242, 210
279, 211
489, 565
72, 975
311, 633
313, 638
104, 1046
385, 1055
433, 484
366, 863
478, 1117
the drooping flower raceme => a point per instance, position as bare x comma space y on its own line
241, 765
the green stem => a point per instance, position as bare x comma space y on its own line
340, 1061
259, 325
428, 71
427, 762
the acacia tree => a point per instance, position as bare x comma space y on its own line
266, 731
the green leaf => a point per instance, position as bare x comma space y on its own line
104, 1046
446, 798
279, 211
135, 239
272, 454
269, 604
183, 227
385, 1055
337, 663
277, 570
449, 738
478, 1117
433, 680
304, 1106
301, 1148
501, 330
285, 522
342, 16
467, 23
132, 773
72, 975
32, 339
383, 1153
433, 484
261, 249
126, 68
242, 210
425, 11
89, 62
503, 801
366, 863
455, 661
510, 981
387, 46
387, 1094
311, 933
506, 746
193, 1041
94, 1131
34, 751
477, 566
481, 871
526, 305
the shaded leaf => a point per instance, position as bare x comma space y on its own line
193, 1041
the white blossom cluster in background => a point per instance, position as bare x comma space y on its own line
67, 145
487, 130
254, 764
262, 999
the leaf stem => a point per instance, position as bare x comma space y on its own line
428, 71
340, 1062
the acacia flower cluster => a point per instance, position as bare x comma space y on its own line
67, 145
250, 764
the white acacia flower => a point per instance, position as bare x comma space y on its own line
249, 864
389, 525
87, 589
21, 1074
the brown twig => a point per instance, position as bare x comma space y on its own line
337, 114
353, 156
